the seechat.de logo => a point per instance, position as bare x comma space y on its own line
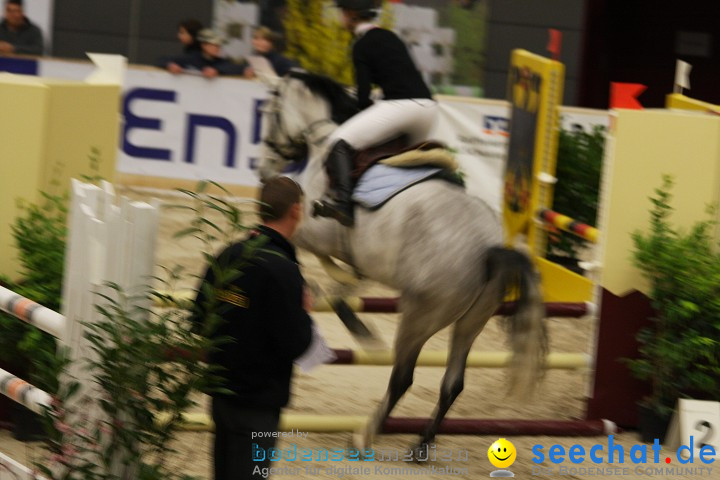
614, 453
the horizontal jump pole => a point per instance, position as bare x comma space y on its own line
555, 361
567, 224
390, 305
17, 470
23, 393
564, 361
33, 313
397, 425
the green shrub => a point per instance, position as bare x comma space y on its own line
579, 166
680, 351
40, 234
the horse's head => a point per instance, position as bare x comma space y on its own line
299, 105
283, 125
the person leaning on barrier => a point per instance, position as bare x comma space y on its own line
187, 35
208, 60
263, 311
18, 35
268, 45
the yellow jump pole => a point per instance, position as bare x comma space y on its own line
563, 361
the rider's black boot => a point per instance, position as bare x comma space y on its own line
339, 206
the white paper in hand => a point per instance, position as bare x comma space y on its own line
318, 352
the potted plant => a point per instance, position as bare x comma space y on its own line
579, 165
679, 352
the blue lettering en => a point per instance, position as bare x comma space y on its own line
195, 121
133, 121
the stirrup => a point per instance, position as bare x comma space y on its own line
326, 209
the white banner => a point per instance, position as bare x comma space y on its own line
477, 131
189, 127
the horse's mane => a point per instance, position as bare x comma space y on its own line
342, 105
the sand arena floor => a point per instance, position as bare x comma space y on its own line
356, 390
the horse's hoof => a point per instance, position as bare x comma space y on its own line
359, 441
363, 437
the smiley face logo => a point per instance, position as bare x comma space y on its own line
502, 453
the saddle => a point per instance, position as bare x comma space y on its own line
396, 148
382, 172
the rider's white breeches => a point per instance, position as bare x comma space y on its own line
388, 119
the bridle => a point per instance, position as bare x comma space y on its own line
294, 149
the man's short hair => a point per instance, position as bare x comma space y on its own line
19, 3
277, 196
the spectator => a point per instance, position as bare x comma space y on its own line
18, 35
187, 34
268, 44
208, 60
263, 321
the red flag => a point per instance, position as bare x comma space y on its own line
624, 95
554, 43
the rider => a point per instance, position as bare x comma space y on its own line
407, 107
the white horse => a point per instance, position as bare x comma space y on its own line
439, 247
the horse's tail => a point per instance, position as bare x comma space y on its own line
515, 274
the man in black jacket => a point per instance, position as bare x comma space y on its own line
261, 304
18, 35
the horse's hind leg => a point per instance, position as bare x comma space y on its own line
465, 331
416, 327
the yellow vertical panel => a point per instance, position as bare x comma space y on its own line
46, 137
535, 84
81, 118
642, 146
22, 129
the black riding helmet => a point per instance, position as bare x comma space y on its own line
365, 8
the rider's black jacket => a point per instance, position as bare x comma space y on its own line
381, 58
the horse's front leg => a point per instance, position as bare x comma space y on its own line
348, 282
